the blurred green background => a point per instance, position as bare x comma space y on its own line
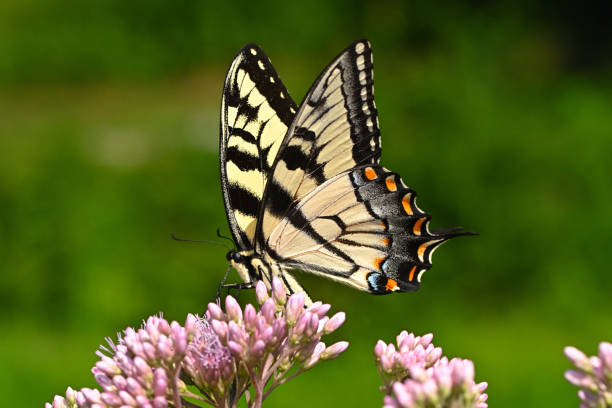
498, 113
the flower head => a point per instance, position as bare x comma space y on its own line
282, 335
141, 369
396, 362
593, 375
415, 375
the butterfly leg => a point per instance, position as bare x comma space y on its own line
239, 287
222, 284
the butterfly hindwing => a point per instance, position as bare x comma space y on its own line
335, 129
256, 112
361, 228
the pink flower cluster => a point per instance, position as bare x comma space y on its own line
276, 343
593, 375
141, 370
224, 355
415, 375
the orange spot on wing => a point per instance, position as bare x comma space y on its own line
369, 173
411, 276
406, 204
378, 262
390, 182
417, 226
386, 241
421, 250
391, 284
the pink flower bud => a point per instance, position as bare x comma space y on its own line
215, 312
133, 387
179, 338
250, 317
149, 352
481, 387
334, 350
578, 358
434, 356
191, 324
111, 399
319, 308
92, 396
220, 329
322, 309
314, 357
160, 382
267, 336
379, 349
386, 363
335, 322
80, 399
103, 380
301, 324
430, 389
312, 326
163, 326
127, 398
108, 366
236, 333
426, 339
261, 292
160, 402
278, 291
258, 348
236, 349
279, 328
150, 331
294, 307
581, 379
164, 348
267, 311
71, 395
120, 382
143, 402
58, 402
143, 368
233, 309
605, 355
442, 374
404, 398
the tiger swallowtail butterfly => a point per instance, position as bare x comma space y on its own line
303, 188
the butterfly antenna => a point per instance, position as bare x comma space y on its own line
174, 237
224, 237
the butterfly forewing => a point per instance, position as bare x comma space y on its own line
335, 129
256, 112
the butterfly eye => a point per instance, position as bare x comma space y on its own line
233, 256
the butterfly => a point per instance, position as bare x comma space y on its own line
303, 188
